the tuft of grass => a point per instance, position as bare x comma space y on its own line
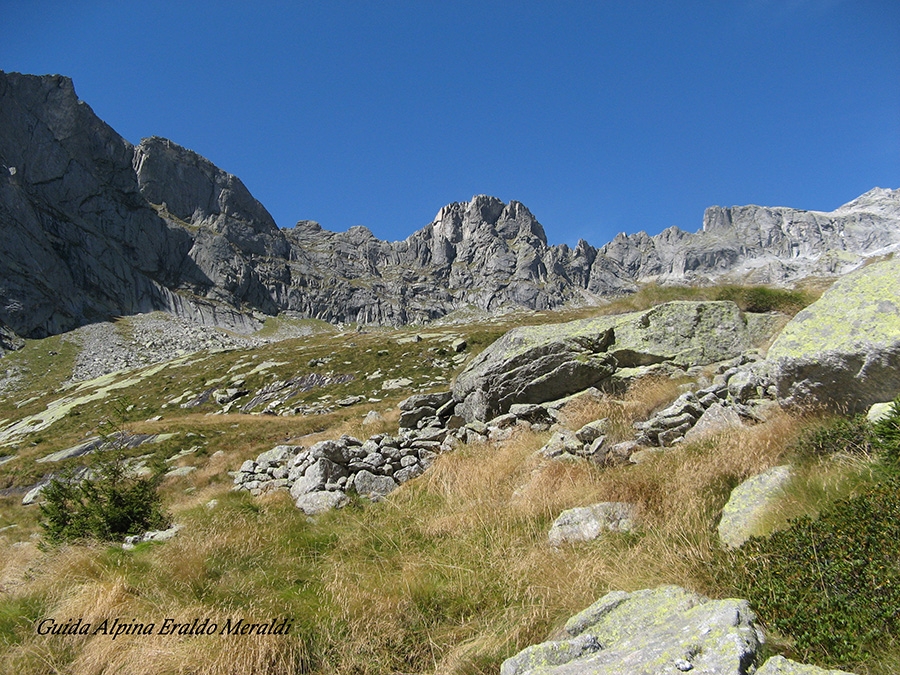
638, 402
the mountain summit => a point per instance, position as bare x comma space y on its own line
94, 227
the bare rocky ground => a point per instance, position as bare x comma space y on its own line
145, 339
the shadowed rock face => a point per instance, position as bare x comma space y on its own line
92, 227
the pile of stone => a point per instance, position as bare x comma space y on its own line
321, 476
738, 393
143, 340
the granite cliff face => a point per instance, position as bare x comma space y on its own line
93, 227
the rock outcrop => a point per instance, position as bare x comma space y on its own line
662, 631
843, 351
535, 364
94, 227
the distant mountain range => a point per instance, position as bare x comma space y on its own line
93, 227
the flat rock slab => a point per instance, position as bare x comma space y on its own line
714, 420
586, 523
748, 504
662, 631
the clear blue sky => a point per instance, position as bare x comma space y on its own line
601, 116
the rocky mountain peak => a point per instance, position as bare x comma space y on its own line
877, 201
92, 227
194, 189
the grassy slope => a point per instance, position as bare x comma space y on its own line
450, 573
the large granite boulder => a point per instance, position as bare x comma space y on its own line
843, 351
535, 364
664, 630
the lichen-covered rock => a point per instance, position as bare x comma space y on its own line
535, 364
749, 503
666, 630
586, 523
682, 333
843, 351
778, 665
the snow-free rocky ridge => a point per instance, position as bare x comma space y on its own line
94, 227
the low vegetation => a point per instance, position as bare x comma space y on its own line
829, 582
748, 298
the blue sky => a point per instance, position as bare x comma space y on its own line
599, 116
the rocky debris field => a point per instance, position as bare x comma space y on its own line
145, 339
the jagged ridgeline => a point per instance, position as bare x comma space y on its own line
94, 227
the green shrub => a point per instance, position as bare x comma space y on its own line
831, 584
108, 504
849, 435
765, 299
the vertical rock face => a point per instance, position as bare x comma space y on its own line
78, 241
238, 255
92, 227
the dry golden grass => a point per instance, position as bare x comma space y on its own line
451, 573
642, 398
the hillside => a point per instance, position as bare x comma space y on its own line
450, 572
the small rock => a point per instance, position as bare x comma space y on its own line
879, 411
748, 504
372, 417
589, 522
369, 485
